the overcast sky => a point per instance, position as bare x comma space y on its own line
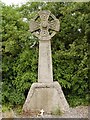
20, 2
15, 2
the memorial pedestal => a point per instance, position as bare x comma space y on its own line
46, 96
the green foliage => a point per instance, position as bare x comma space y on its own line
56, 111
19, 60
6, 108
18, 110
70, 57
69, 50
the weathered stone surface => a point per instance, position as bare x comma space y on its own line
45, 73
46, 96
41, 28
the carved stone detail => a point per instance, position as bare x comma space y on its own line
41, 28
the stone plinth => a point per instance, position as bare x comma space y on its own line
46, 96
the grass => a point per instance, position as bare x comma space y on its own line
10, 112
56, 111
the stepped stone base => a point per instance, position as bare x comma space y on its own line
46, 96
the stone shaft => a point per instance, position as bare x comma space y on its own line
45, 73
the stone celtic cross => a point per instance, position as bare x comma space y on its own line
44, 26
45, 94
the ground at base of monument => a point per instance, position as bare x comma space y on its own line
77, 112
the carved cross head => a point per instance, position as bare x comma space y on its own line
44, 25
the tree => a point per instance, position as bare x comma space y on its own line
69, 50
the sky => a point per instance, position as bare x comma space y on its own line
15, 2
20, 2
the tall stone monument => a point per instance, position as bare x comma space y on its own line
45, 94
